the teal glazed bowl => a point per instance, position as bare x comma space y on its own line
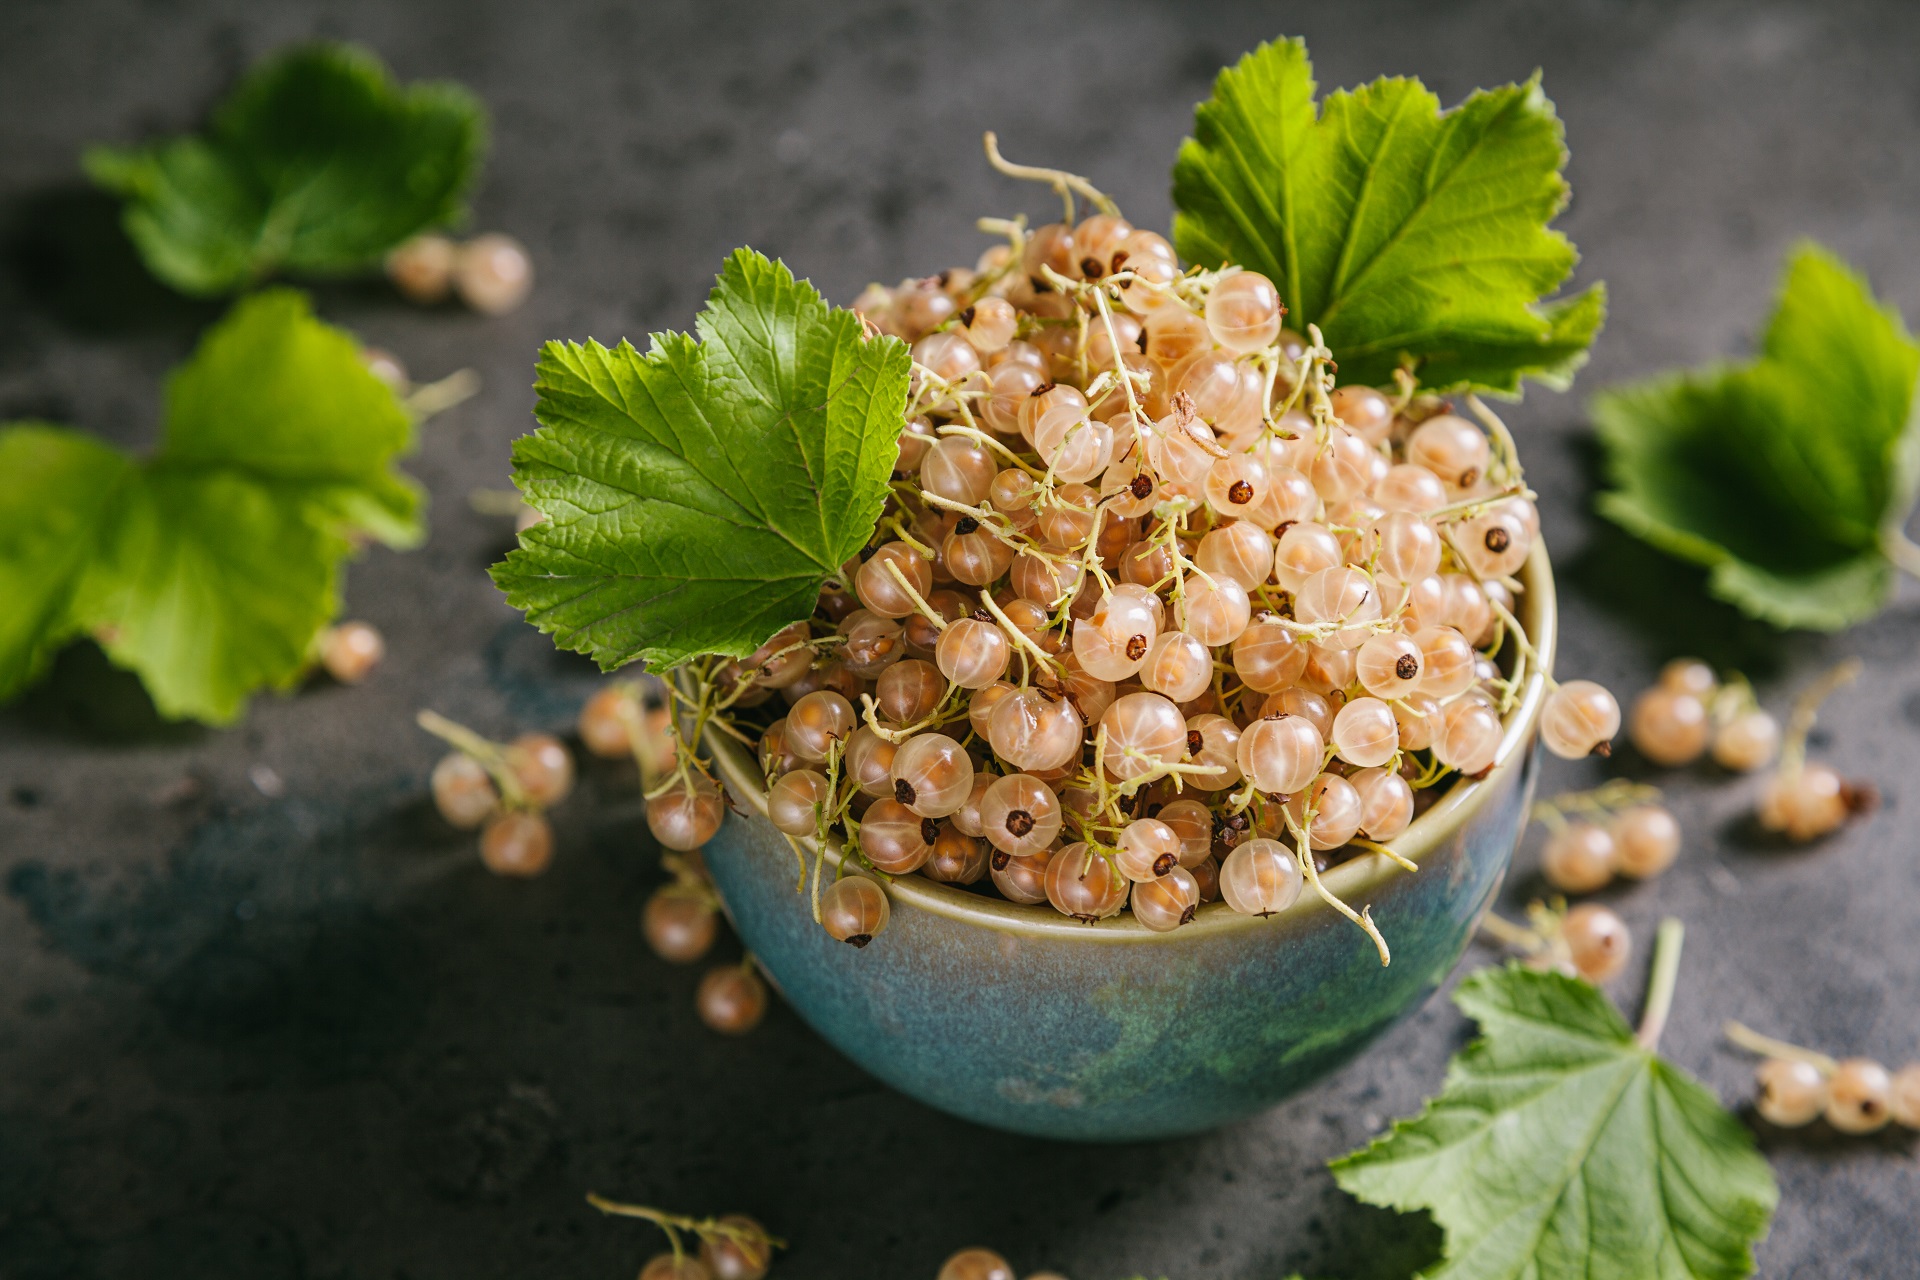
1018, 1017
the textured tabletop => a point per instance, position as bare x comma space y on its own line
304, 1034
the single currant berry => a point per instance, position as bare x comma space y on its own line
463, 791
1260, 877
731, 999
1669, 726
1164, 903
604, 722
1905, 1096
666, 1266
351, 650
679, 923
743, 1253
1084, 885
1646, 840
1859, 1096
516, 843
1579, 719
684, 817
1812, 801
1147, 850
1579, 858
975, 1264
1689, 675
1792, 1092
1597, 942
1748, 741
797, 800
542, 766
854, 910
422, 268
493, 274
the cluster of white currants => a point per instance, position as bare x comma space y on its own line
491, 273
1856, 1095
504, 789
1589, 941
731, 1247
1692, 712
1155, 613
1613, 830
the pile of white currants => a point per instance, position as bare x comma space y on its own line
1156, 613
504, 789
491, 273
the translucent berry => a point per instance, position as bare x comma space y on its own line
1579, 858
1859, 1096
684, 818
542, 766
796, 800
1241, 550
1243, 312
1268, 657
665, 1266
516, 843
1811, 801
679, 923
1669, 726
896, 839
1084, 885
1579, 719
604, 720
1033, 732
351, 650
422, 268
1021, 878
1646, 840
1280, 754
1386, 803
1597, 940
1446, 660
731, 999
1689, 675
975, 1264
1748, 741
854, 910
1792, 1092
1389, 666
1905, 1096
1147, 849
1143, 730
1365, 732
1260, 877
746, 1254
1178, 667
956, 858
816, 722
1469, 736
493, 274
463, 791
1190, 821
1164, 903
1452, 448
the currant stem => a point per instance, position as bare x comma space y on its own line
488, 755
1391, 855
1806, 709
1059, 179
1767, 1047
1509, 934
432, 398
1660, 984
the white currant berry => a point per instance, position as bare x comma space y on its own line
463, 791
493, 274
1646, 840
1859, 1096
1792, 1092
422, 268
1669, 726
1597, 942
1579, 719
1580, 857
351, 650
1748, 741
516, 843
854, 910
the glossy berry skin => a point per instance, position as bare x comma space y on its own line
1905, 1096
680, 924
732, 1000
1579, 719
1280, 754
685, 818
422, 268
1669, 726
516, 843
351, 650
1859, 1096
603, 725
1809, 802
1085, 885
1147, 850
1260, 877
1749, 741
1579, 858
743, 1257
1792, 1092
975, 1264
854, 910
1646, 840
1597, 941
463, 792
796, 800
542, 766
664, 1266
1019, 814
493, 274
1164, 903
932, 775
896, 839
1689, 675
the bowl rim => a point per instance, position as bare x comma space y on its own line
1353, 880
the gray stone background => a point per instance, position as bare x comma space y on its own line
305, 1035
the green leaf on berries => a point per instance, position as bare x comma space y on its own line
1408, 234
698, 496
1561, 1147
208, 568
1783, 476
319, 163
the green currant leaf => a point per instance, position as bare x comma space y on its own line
208, 568
1405, 233
1560, 1148
1783, 476
699, 495
319, 164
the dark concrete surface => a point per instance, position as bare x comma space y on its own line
307, 1036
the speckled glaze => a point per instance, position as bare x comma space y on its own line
1018, 1017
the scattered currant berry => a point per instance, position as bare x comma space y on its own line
687, 814
542, 766
975, 1264
1792, 1093
732, 1246
680, 923
1805, 801
493, 274
516, 843
1579, 719
387, 367
1669, 726
731, 999
1646, 840
1579, 858
422, 268
1904, 1097
666, 1266
1597, 942
1749, 740
463, 792
743, 1252
1859, 1096
351, 650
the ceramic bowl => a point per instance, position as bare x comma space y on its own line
1021, 1018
